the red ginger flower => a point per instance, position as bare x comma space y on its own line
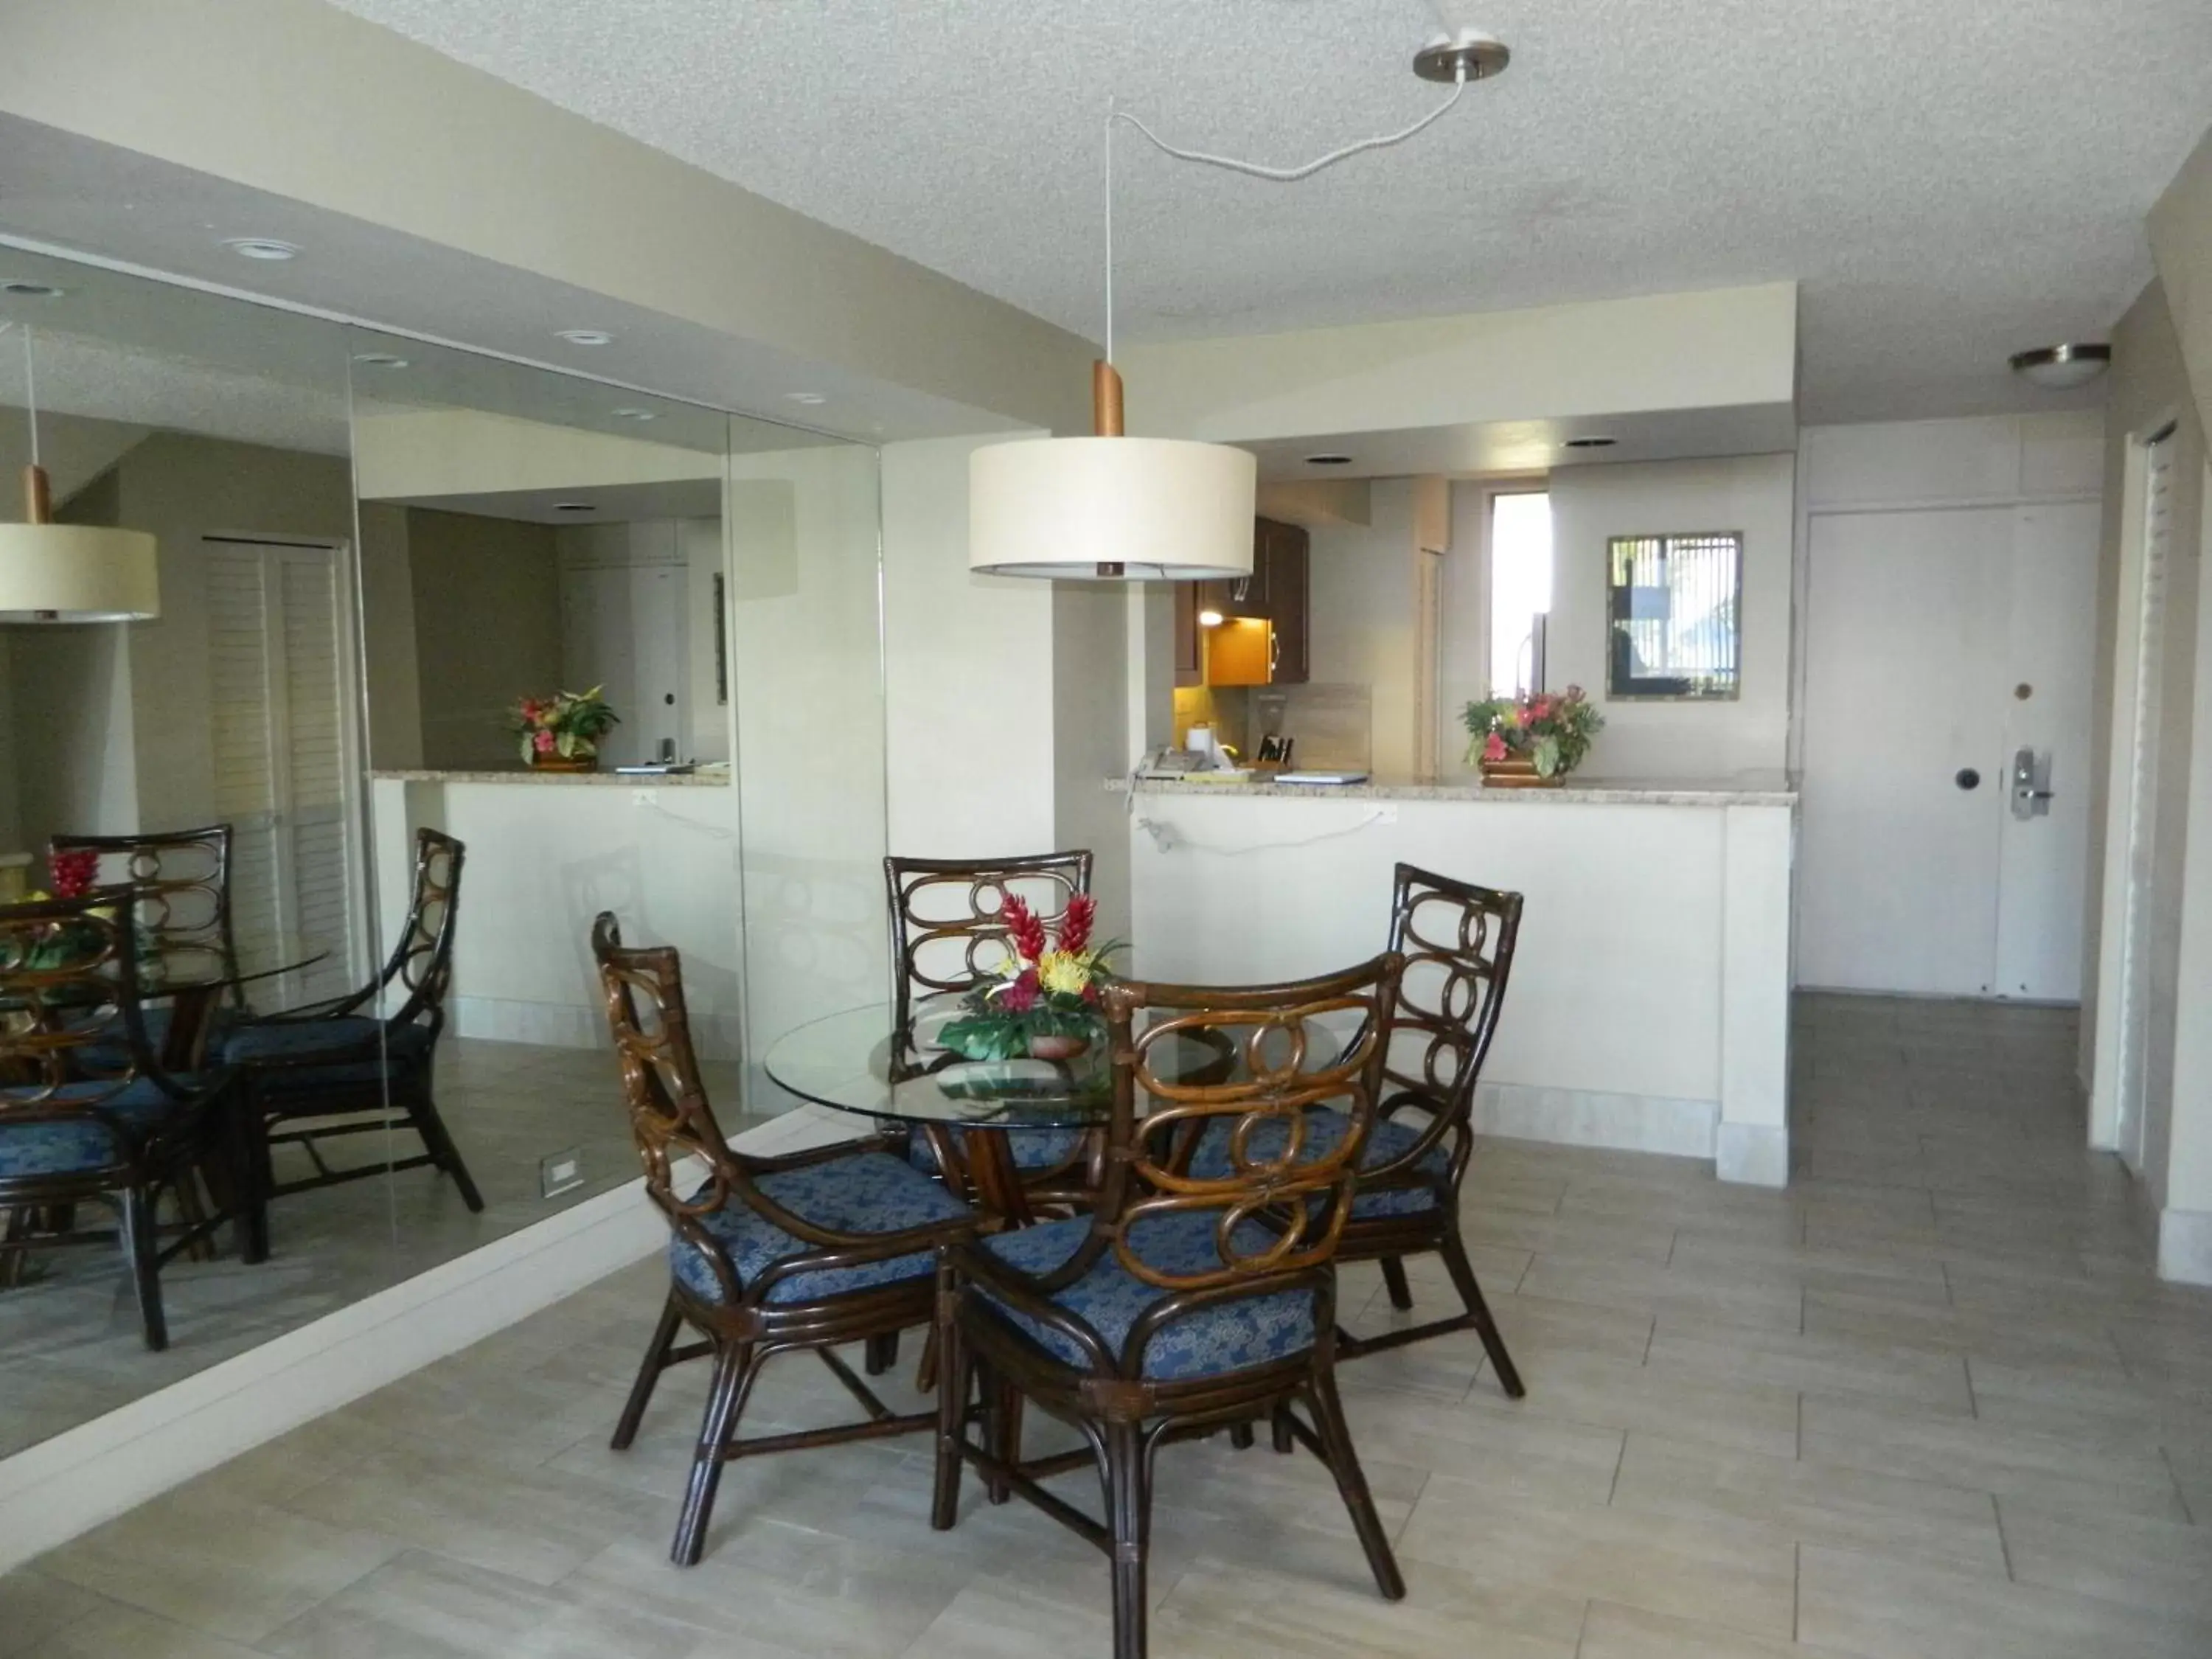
1020, 996
74, 872
1075, 926
1024, 930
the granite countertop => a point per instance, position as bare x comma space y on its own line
1747, 789
521, 774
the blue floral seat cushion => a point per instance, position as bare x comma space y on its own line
296, 1041
1033, 1149
867, 1193
1326, 1128
1226, 1336
109, 1053
80, 1145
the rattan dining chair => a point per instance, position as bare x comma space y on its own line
338, 1070
1169, 1311
766, 1255
949, 935
1458, 941
87, 1112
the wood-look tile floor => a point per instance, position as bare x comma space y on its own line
1928, 1402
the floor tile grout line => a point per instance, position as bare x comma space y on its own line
2180, 1493
2004, 1544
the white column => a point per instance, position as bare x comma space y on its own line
1752, 1142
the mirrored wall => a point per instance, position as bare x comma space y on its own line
462, 653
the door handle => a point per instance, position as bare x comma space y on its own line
2031, 794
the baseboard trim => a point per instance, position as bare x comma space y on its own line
2185, 1246
1577, 1117
51, 1492
1752, 1154
572, 1025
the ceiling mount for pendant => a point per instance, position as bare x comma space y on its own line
1470, 55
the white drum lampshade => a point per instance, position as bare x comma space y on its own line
67, 573
1112, 509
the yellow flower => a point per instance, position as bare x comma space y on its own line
1064, 971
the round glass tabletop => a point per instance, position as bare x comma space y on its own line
850, 1062
184, 967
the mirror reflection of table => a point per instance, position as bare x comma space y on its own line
857, 1061
193, 979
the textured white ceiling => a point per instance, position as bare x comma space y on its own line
1952, 180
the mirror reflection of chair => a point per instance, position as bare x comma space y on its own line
88, 1111
180, 880
1171, 1311
337, 1070
949, 935
1458, 941
835, 1244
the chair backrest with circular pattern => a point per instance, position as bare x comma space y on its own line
948, 917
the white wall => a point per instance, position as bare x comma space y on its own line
486, 631
1753, 493
1090, 742
1361, 607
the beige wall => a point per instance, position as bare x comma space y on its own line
1753, 493
2181, 242
387, 604
486, 631
1361, 599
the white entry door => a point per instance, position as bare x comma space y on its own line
1940, 646
277, 684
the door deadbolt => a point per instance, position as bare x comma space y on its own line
1967, 778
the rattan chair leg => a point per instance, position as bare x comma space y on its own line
735, 1367
142, 1247
422, 1113
1128, 1515
1493, 1340
880, 1352
1002, 1428
1240, 1436
1344, 1464
1394, 1280
1286, 1442
648, 1374
956, 1376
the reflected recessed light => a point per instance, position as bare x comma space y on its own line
1595, 441
378, 360
807, 397
636, 415
588, 337
31, 290
262, 248
574, 506
1209, 619
1329, 460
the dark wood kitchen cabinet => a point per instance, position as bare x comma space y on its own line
1261, 636
1283, 552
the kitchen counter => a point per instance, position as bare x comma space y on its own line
524, 774
1747, 789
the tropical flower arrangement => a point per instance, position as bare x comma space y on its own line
62, 944
1045, 1002
563, 729
1545, 731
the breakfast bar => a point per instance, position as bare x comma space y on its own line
1649, 1008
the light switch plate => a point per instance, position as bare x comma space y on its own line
561, 1172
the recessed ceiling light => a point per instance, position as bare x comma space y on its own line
809, 398
574, 506
31, 290
1329, 460
2062, 367
262, 248
588, 337
636, 415
378, 360
1596, 440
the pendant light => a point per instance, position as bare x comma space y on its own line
67, 573
1114, 508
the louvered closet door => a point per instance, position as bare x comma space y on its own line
276, 678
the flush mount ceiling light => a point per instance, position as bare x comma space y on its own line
266, 248
1329, 460
70, 573
636, 415
810, 398
2062, 367
587, 337
574, 506
378, 360
1114, 508
23, 290
1595, 441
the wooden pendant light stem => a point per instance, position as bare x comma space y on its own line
38, 496
1105, 399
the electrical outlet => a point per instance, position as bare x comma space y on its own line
561, 1172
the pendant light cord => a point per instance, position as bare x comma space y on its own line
1250, 169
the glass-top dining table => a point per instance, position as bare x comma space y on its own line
858, 1062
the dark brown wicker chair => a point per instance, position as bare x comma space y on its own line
336, 1070
1169, 1311
1458, 941
181, 880
831, 1245
88, 1111
948, 935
